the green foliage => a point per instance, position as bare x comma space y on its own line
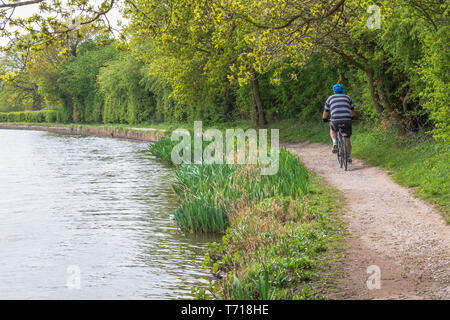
50, 20
51, 116
18, 92
167, 109
275, 226
297, 92
434, 70
78, 82
126, 98
198, 216
237, 291
162, 149
194, 60
46, 116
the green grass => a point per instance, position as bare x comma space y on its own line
162, 149
288, 244
296, 131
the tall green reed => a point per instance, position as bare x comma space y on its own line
209, 193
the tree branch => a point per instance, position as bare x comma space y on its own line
291, 20
19, 4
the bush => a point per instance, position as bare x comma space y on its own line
3, 117
50, 116
42, 116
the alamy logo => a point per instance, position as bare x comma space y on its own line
374, 21
73, 277
232, 150
374, 280
74, 20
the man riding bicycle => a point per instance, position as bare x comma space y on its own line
342, 113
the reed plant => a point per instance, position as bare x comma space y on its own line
162, 149
212, 194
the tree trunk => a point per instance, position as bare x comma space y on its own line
231, 103
37, 102
260, 117
255, 111
404, 100
373, 93
386, 103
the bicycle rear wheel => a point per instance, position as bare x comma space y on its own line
344, 153
339, 153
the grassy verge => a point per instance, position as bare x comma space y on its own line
279, 231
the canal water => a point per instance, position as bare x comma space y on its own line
89, 218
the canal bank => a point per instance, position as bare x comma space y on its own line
140, 134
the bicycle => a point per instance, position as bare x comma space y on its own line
342, 154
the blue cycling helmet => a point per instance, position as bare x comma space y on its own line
338, 88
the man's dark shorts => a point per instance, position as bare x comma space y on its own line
347, 126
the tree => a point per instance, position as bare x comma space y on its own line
54, 20
45, 62
18, 92
294, 30
78, 81
126, 98
197, 49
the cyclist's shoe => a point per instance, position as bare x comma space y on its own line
335, 148
349, 159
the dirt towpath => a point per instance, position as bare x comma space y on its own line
406, 238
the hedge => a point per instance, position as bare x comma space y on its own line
29, 116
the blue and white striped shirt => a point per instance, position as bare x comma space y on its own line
340, 105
